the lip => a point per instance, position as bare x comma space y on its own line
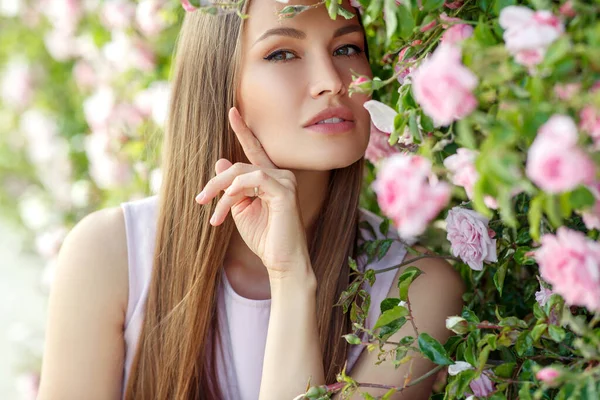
332, 112
329, 129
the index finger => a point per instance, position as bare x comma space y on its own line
250, 143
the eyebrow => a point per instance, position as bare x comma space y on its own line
297, 34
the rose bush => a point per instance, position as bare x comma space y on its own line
484, 147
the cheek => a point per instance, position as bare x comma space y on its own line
268, 92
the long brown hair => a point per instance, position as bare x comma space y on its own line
179, 336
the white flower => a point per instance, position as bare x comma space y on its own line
458, 367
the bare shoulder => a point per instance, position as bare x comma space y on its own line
97, 245
434, 296
84, 345
437, 272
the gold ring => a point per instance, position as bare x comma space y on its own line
255, 191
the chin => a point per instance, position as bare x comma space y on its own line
319, 162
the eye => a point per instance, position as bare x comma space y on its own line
350, 48
279, 56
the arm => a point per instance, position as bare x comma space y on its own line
293, 349
84, 348
434, 296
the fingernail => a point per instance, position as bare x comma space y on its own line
200, 197
213, 219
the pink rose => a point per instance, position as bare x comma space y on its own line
566, 91
571, 263
482, 386
443, 86
362, 84
379, 146
457, 33
400, 68
559, 128
428, 26
187, 6
567, 9
528, 33
548, 375
469, 237
554, 162
453, 5
409, 193
463, 173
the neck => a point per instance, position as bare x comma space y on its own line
312, 189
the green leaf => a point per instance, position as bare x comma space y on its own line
505, 370
500, 4
535, 216
390, 316
463, 379
426, 122
429, 5
465, 138
388, 330
551, 208
391, 18
345, 13
352, 264
433, 350
557, 333
352, 339
538, 331
406, 22
384, 226
581, 198
484, 35
388, 304
524, 343
413, 126
399, 126
332, 8
405, 279
499, 277
557, 50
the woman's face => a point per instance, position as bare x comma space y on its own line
290, 76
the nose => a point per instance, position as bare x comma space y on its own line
327, 78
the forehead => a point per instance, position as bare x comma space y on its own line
264, 16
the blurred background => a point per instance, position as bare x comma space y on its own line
83, 97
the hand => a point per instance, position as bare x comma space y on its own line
271, 224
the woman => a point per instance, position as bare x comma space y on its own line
156, 300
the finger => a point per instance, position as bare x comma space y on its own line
269, 189
250, 143
224, 179
221, 165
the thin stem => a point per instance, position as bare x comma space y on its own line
412, 319
379, 271
401, 388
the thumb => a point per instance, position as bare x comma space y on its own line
222, 165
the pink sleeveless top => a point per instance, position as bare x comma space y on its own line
245, 320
